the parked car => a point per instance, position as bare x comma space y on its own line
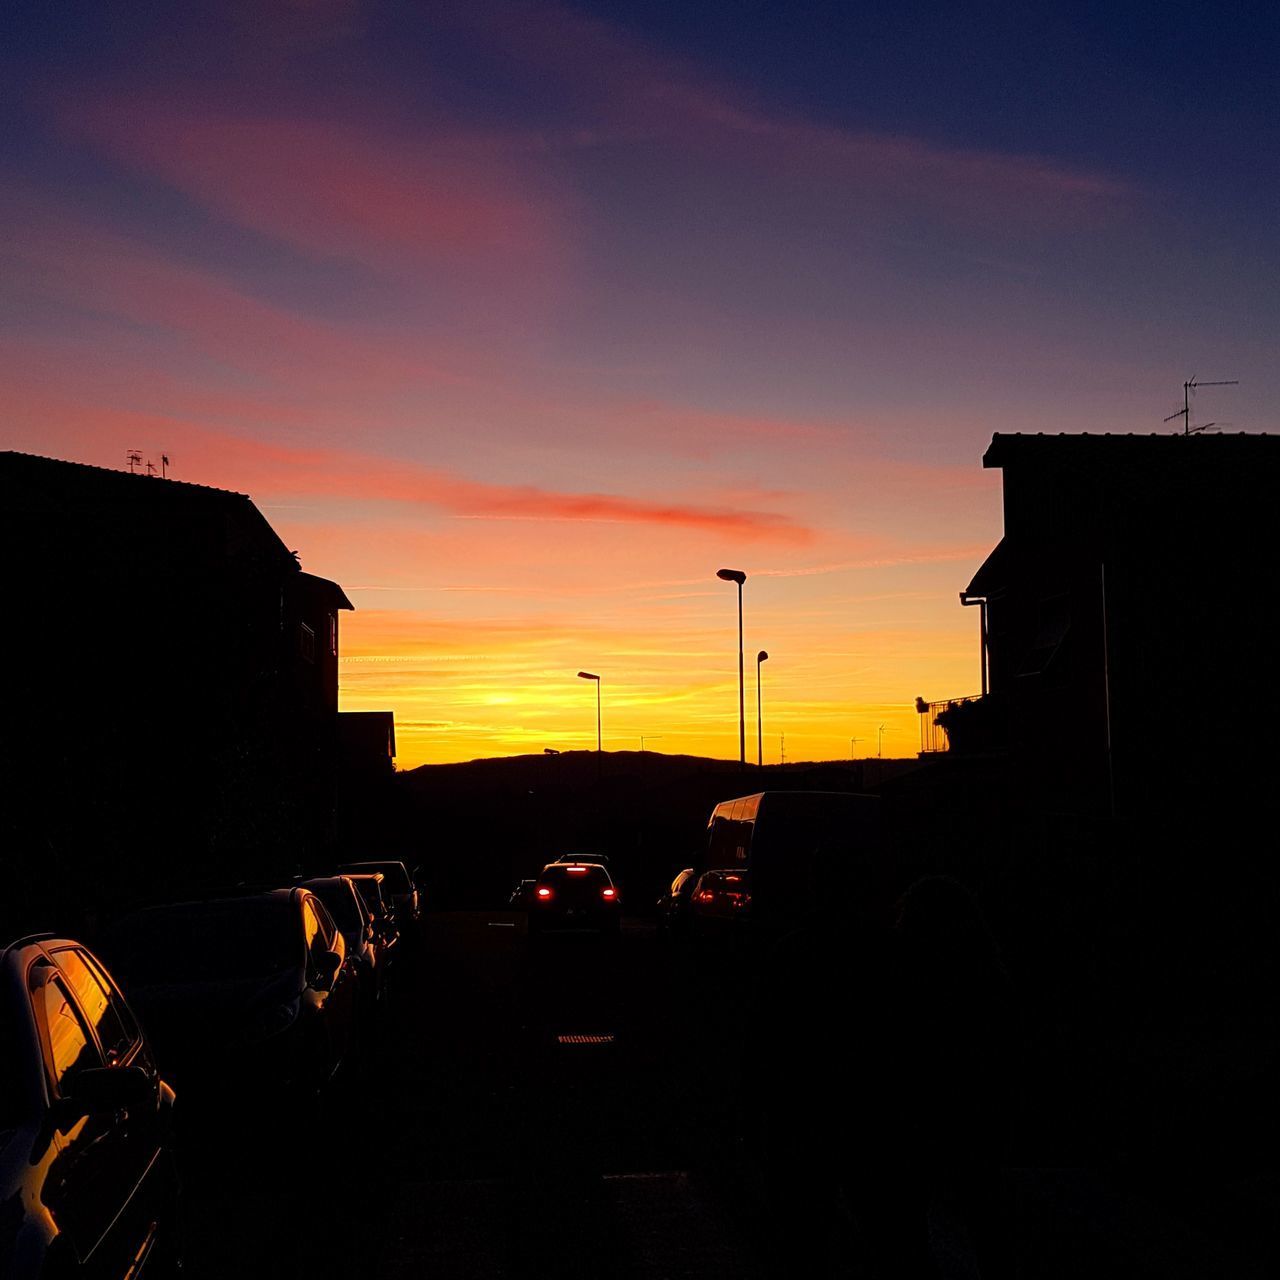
522, 894
355, 922
673, 906
386, 934
398, 886
252, 990
88, 1185
575, 896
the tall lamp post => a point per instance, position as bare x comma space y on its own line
736, 575
587, 675
762, 656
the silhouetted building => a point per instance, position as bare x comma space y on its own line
1128, 619
367, 741
172, 680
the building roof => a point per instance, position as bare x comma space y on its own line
1169, 448
329, 590
31, 482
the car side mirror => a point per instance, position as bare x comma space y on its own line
110, 1089
327, 966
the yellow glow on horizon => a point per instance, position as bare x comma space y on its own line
467, 690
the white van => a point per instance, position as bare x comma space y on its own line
759, 865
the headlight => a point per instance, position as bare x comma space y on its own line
272, 1020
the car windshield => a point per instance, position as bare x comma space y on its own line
395, 879
342, 905
369, 893
207, 941
577, 873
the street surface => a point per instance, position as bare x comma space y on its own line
561, 1110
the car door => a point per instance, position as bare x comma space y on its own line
121, 1043
94, 1173
340, 1005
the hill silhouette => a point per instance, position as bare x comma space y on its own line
485, 824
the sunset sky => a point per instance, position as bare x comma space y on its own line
522, 319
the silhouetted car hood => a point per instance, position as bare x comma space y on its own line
191, 1016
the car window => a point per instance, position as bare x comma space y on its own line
70, 1048
311, 931
104, 1010
328, 930
583, 873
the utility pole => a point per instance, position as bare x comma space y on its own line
851, 742
880, 742
782, 748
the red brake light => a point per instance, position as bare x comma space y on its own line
608, 893
544, 893
576, 871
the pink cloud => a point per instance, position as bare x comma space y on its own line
283, 469
401, 203
56, 257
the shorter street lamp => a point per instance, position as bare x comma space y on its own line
762, 656
587, 675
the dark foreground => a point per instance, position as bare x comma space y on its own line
568, 1110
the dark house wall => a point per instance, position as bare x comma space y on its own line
1135, 583
155, 695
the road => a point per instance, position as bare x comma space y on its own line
560, 1110
527, 1112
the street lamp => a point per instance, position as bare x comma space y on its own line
651, 737
762, 656
736, 575
880, 741
587, 675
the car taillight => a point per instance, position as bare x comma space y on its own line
544, 893
576, 871
705, 895
608, 893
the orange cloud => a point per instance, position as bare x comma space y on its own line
287, 469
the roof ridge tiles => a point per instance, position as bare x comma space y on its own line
112, 471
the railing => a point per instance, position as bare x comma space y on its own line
933, 736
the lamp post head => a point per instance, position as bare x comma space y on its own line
732, 575
586, 675
762, 656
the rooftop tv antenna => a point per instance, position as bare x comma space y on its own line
151, 467
1185, 412
135, 460
164, 466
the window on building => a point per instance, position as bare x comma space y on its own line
307, 642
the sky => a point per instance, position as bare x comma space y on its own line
521, 319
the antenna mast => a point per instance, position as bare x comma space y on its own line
1185, 412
